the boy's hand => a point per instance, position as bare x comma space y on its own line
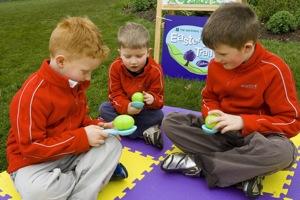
132, 110
148, 98
95, 134
227, 122
105, 124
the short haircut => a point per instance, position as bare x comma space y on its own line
133, 35
77, 37
232, 24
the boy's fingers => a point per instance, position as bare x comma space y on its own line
216, 112
101, 124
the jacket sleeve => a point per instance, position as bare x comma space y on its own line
117, 95
156, 88
281, 99
29, 121
209, 98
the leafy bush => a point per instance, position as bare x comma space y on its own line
267, 8
282, 22
142, 5
297, 16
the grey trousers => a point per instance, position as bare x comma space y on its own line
228, 159
74, 177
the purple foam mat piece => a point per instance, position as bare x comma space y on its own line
139, 144
293, 190
173, 186
165, 186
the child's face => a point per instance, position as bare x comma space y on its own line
79, 69
231, 57
134, 59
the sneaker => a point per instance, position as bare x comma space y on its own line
120, 173
181, 162
153, 136
253, 187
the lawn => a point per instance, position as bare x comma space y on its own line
25, 29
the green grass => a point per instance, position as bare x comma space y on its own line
26, 26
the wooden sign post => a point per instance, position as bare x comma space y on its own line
191, 5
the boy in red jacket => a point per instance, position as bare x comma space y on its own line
136, 71
253, 94
54, 149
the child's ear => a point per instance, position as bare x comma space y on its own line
249, 46
60, 61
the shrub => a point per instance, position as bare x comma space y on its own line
282, 22
297, 16
142, 5
267, 8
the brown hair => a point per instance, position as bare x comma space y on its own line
133, 35
77, 36
232, 24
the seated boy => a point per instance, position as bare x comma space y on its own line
253, 94
136, 71
54, 149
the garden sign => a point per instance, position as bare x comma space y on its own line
183, 54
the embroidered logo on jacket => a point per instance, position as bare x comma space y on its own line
249, 86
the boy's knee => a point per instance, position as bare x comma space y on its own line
168, 121
35, 190
104, 106
115, 143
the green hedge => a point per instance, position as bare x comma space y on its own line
267, 8
282, 22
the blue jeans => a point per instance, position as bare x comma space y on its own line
145, 119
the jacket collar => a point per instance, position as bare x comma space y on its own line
55, 78
255, 58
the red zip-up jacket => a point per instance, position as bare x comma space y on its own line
122, 85
262, 91
47, 117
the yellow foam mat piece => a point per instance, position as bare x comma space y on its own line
136, 164
7, 188
274, 184
277, 183
296, 140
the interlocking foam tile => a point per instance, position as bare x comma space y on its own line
275, 183
293, 189
165, 186
147, 181
177, 187
136, 164
296, 140
7, 189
